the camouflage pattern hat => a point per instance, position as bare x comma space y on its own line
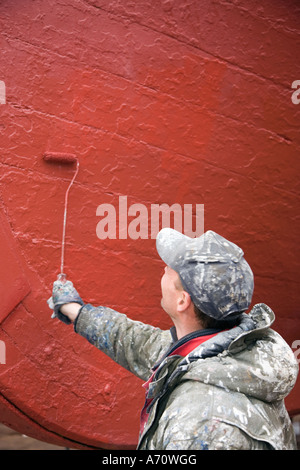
212, 270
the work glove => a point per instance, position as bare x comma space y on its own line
63, 293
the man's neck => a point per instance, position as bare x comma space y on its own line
185, 329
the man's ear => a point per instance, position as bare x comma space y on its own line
184, 301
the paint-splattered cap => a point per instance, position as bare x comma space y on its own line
212, 270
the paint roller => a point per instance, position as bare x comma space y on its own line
63, 159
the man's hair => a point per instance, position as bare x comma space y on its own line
205, 320
209, 322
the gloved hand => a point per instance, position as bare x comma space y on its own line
63, 293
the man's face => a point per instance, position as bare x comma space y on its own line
170, 289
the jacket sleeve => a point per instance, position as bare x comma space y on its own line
215, 435
132, 344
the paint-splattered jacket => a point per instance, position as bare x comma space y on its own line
228, 393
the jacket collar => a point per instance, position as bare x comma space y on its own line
256, 322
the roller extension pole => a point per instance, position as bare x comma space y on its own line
64, 159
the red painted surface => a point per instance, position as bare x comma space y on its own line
164, 102
13, 284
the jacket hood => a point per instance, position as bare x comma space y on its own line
251, 359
